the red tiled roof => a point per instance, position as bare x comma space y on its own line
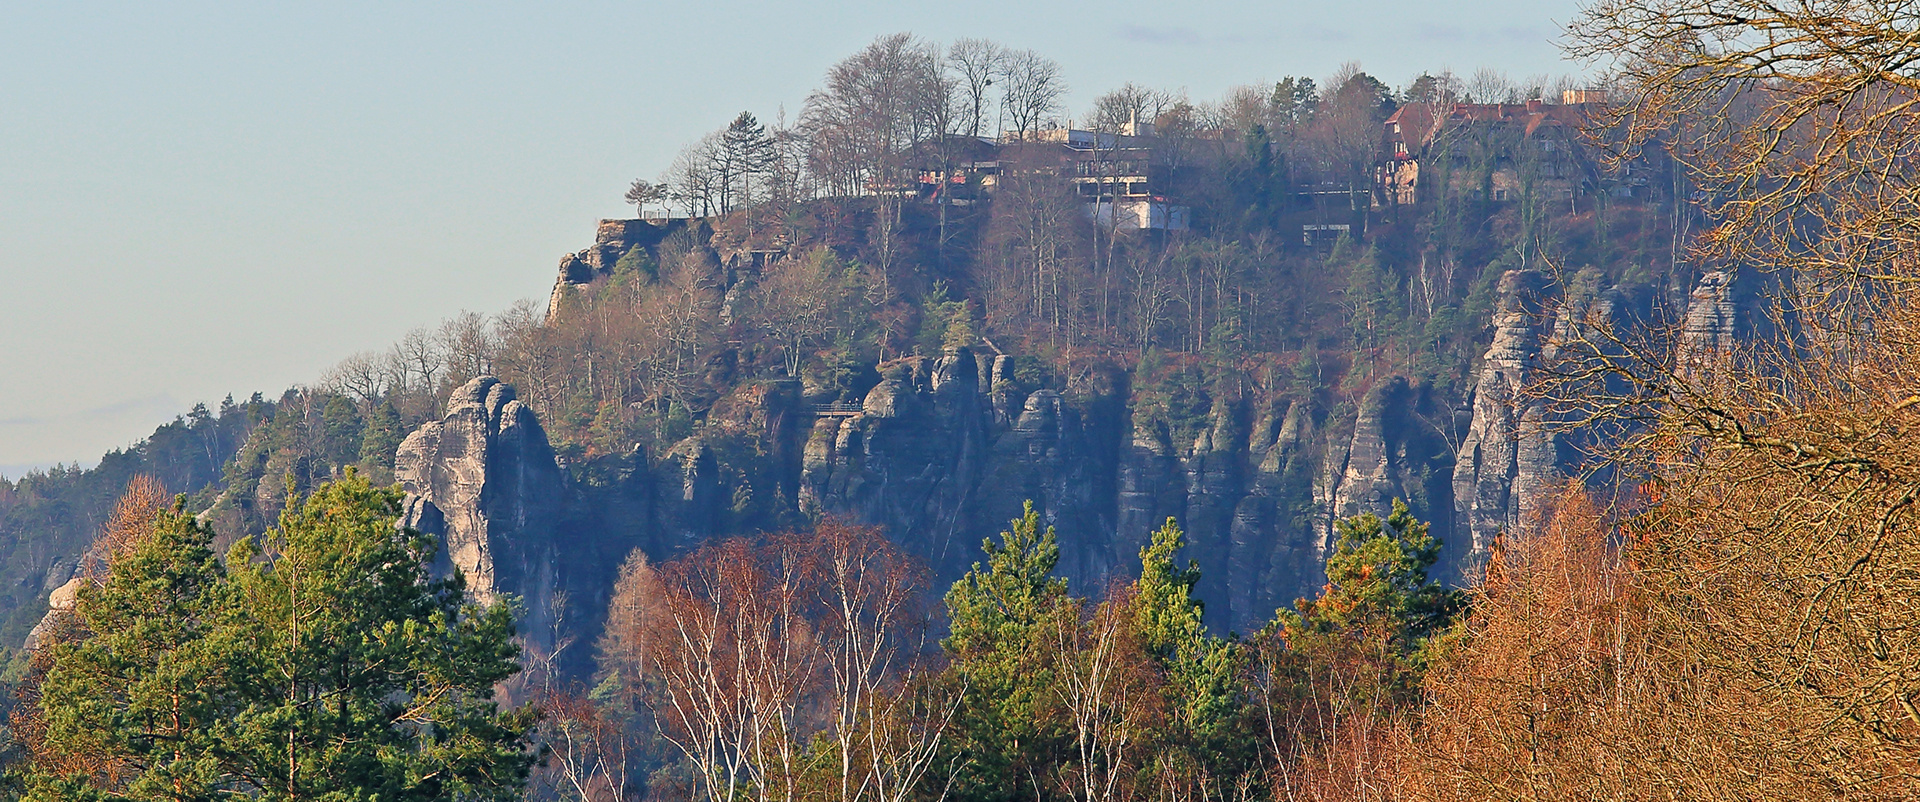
1420, 122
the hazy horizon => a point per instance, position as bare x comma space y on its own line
202, 201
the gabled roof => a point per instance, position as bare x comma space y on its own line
959, 147
1417, 124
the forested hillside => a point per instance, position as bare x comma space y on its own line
1456, 440
1294, 288
47, 518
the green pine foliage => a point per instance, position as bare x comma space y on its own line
1005, 729
1206, 735
138, 693
1014, 737
385, 429
320, 663
51, 514
1380, 609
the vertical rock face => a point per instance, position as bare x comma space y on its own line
59, 602
1723, 310
612, 240
942, 451
913, 457
483, 479
1395, 453
1505, 452
1713, 314
1515, 454
943, 459
1587, 326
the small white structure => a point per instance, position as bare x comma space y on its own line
1142, 213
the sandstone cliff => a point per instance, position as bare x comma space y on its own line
1506, 455
942, 452
612, 240
483, 479
1724, 309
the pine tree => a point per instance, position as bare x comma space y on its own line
384, 432
998, 613
1380, 609
1201, 670
325, 665
746, 152
133, 699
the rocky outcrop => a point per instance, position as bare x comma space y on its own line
1714, 316
1724, 309
612, 240
943, 451
1505, 451
484, 481
1518, 446
1395, 452
913, 455
943, 459
59, 603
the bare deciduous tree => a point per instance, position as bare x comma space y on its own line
1115, 110
873, 630
362, 376
745, 650
975, 64
1031, 89
1108, 686
421, 352
469, 343
697, 185
805, 304
876, 104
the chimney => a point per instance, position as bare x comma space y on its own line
1535, 105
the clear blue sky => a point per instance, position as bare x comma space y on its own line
199, 199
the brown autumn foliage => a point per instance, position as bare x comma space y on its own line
131, 519
1326, 729
1782, 570
1749, 632
589, 749
1758, 634
1111, 693
1357, 757
1747, 636
1552, 679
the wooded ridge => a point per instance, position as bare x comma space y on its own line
1459, 441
